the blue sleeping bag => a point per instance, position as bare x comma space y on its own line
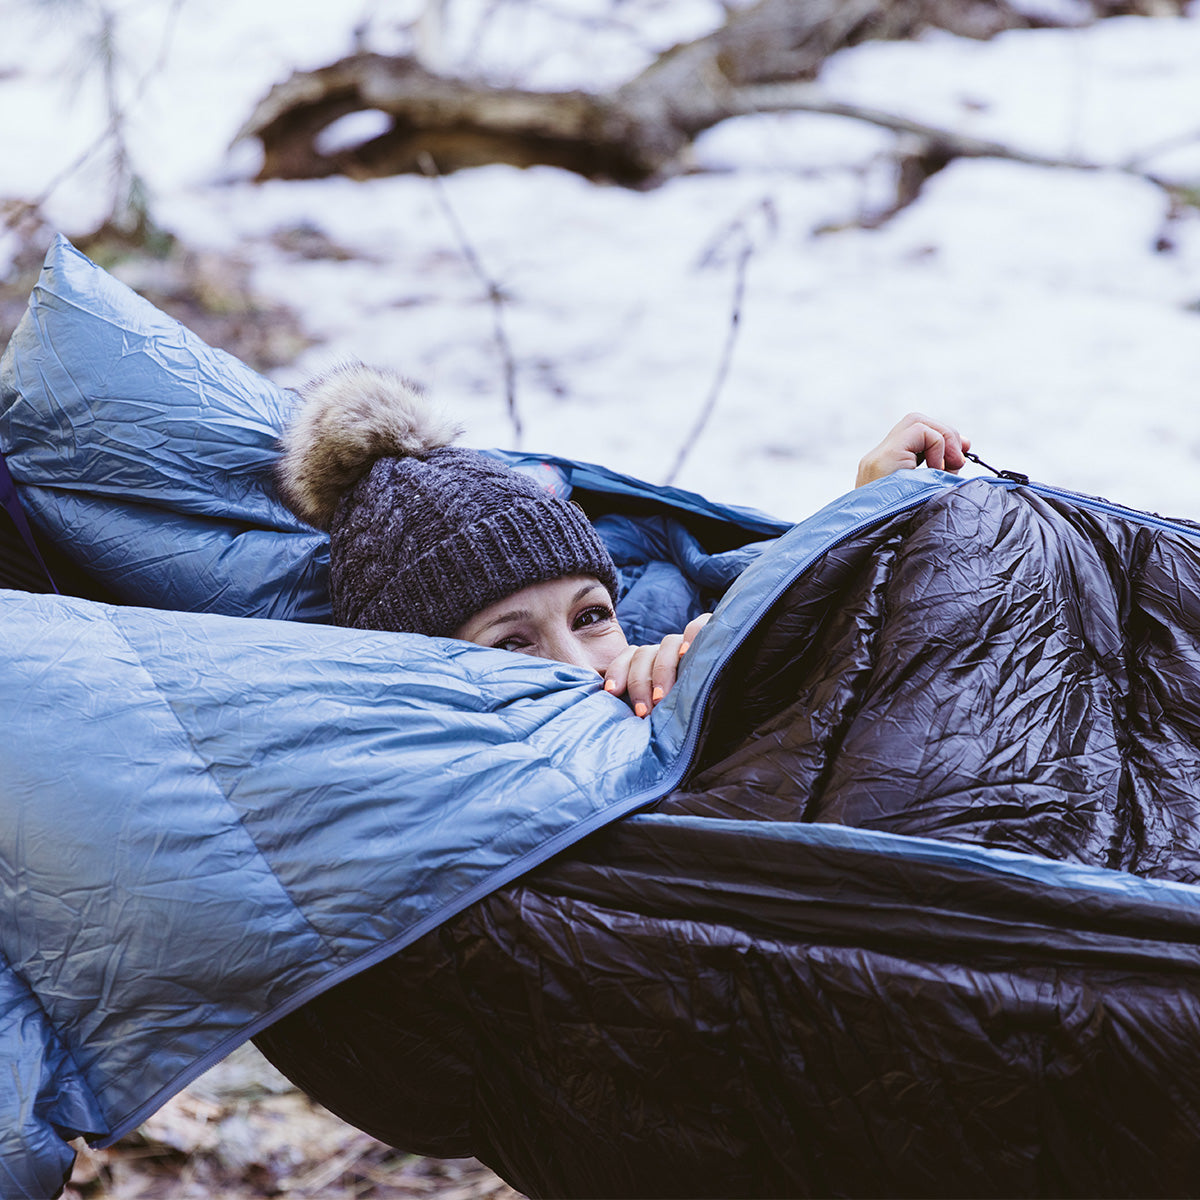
892, 894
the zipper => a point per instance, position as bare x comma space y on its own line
1014, 476
1117, 510
1017, 478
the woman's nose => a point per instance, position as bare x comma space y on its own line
570, 649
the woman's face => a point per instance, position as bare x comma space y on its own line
570, 620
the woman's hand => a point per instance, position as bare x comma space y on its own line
645, 674
916, 439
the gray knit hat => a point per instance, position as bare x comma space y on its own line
422, 534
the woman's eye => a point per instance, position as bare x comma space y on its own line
594, 615
512, 643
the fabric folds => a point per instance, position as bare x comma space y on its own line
894, 894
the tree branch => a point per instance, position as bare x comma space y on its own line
632, 135
782, 97
738, 233
763, 59
495, 298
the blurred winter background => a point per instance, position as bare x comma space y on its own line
1000, 229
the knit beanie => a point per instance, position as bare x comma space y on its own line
422, 534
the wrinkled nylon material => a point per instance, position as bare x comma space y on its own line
1002, 669
42, 1097
731, 996
721, 997
125, 430
245, 807
249, 809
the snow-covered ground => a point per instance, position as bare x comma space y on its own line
1053, 314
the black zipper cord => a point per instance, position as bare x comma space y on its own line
1015, 476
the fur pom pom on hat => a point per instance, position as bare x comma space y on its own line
422, 534
347, 419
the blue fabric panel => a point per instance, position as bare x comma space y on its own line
382, 775
138, 445
816, 841
667, 577
206, 817
43, 1099
128, 882
595, 478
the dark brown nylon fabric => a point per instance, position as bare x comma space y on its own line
1000, 669
693, 1004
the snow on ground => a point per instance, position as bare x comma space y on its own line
1053, 314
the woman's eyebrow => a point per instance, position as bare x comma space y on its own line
518, 614
523, 614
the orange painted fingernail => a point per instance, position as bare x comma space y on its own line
640, 709
657, 694
684, 648
610, 685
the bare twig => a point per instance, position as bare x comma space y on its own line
944, 144
116, 113
1136, 164
804, 97
315, 1181
495, 296
710, 404
738, 232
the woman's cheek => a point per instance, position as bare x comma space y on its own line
607, 647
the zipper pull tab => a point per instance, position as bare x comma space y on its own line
1014, 476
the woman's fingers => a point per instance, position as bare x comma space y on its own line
944, 447
645, 674
629, 675
690, 630
639, 684
916, 438
929, 444
664, 666
616, 675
